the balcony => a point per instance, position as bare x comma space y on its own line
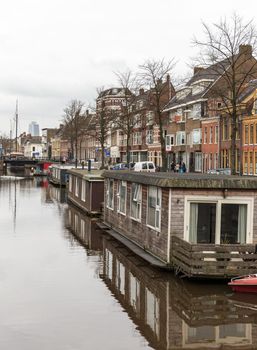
211, 260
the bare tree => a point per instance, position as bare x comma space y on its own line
153, 75
126, 121
74, 126
101, 123
228, 47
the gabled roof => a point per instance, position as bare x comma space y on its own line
211, 73
249, 89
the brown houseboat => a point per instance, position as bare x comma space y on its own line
86, 190
199, 225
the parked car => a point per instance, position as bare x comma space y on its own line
144, 166
220, 171
120, 166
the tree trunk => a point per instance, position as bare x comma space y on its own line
128, 150
233, 142
102, 156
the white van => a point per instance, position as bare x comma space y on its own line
144, 166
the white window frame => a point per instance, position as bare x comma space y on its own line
70, 183
137, 198
180, 135
158, 208
149, 136
108, 194
219, 200
199, 136
76, 187
83, 190
198, 161
124, 184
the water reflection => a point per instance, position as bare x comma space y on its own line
173, 313
80, 281
169, 312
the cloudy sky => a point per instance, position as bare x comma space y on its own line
53, 51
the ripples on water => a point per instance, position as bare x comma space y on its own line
66, 285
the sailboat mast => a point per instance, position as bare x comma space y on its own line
16, 127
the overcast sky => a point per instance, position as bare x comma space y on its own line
53, 51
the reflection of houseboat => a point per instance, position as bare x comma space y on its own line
173, 313
86, 189
84, 229
58, 174
200, 225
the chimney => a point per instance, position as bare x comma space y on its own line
197, 70
87, 112
168, 78
141, 91
245, 50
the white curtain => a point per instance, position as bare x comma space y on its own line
193, 222
241, 231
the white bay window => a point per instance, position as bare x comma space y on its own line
219, 221
122, 192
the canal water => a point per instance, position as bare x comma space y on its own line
64, 284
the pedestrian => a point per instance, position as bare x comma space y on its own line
177, 167
172, 166
184, 169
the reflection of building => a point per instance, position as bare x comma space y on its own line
84, 229
176, 314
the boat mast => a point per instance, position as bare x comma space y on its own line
16, 127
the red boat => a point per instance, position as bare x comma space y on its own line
244, 284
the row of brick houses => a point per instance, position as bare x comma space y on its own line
196, 126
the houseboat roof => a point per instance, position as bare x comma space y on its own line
177, 180
93, 175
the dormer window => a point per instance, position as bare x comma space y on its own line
183, 93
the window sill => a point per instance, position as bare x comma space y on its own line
120, 212
134, 219
154, 228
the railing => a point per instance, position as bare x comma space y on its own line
210, 260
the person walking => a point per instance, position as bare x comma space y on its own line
172, 166
183, 167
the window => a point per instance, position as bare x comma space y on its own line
251, 134
149, 137
154, 207
211, 135
219, 221
137, 138
136, 201
198, 161
70, 183
225, 129
169, 142
76, 187
83, 191
180, 138
122, 197
246, 134
149, 118
205, 135
197, 137
109, 194
250, 163
216, 137
245, 162
137, 121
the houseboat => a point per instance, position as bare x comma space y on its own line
86, 190
58, 174
198, 225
